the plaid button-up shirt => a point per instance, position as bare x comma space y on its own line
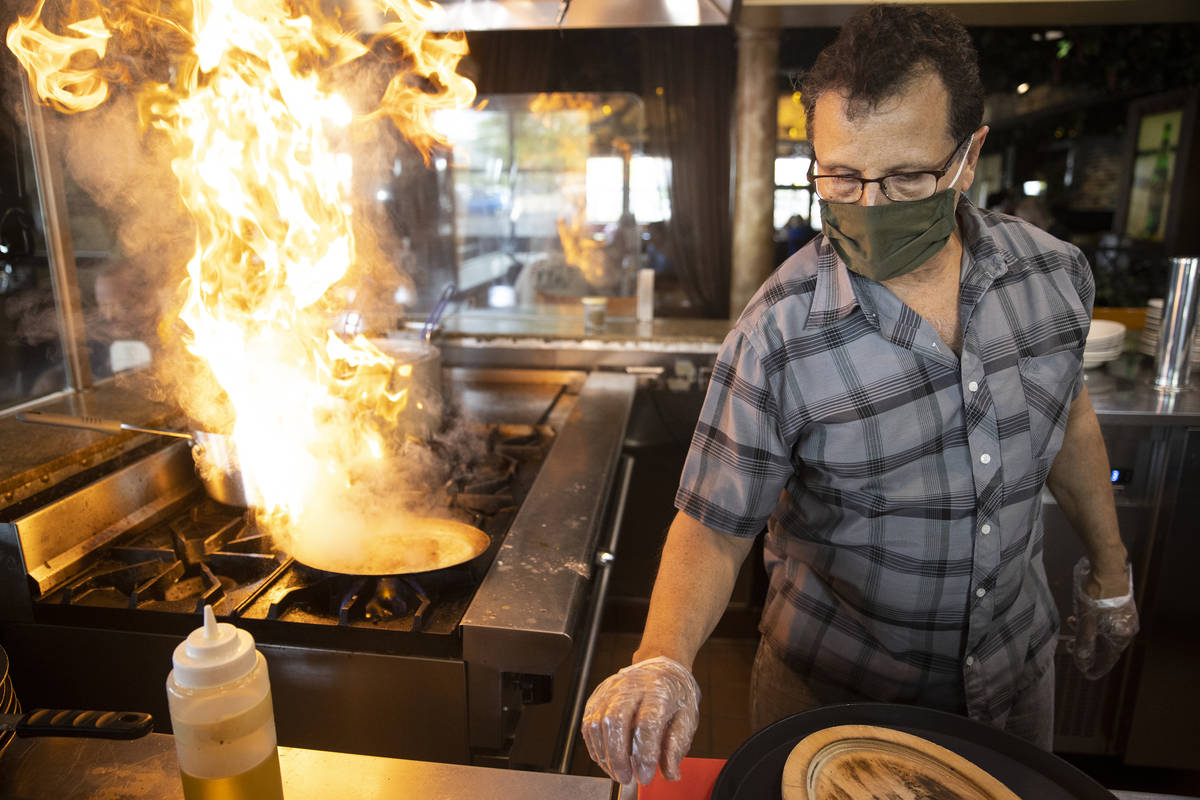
900, 484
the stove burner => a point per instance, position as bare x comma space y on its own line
376, 599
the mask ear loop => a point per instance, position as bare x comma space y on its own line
962, 163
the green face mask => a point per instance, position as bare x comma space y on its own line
889, 240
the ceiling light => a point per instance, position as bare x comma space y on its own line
1023, 88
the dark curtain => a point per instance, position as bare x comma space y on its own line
689, 122
510, 62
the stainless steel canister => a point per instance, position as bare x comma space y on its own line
1172, 367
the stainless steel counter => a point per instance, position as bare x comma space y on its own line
559, 340
1123, 393
98, 769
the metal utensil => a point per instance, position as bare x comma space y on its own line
213, 453
439, 308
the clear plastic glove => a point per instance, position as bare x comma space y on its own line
1101, 628
641, 718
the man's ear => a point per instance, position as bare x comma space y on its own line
968, 176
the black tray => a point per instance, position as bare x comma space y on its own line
755, 769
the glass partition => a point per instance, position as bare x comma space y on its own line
536, 201
32, 363
553, 198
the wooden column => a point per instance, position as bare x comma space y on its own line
754, 155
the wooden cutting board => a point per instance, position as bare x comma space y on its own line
864, 762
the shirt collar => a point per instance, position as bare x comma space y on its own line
838, 291
833, 297
981, 248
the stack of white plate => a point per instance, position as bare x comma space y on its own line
1105, 341
1148, 343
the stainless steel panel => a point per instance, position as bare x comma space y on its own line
57, 539
568, 356
1163, 701
525, 612
603, 565
368, 703
532, 594
482, 15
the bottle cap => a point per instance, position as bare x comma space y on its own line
213, 654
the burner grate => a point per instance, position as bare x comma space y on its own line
365, 598
209, 554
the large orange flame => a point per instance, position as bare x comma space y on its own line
259, 149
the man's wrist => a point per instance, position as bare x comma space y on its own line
648, 651
1109, 563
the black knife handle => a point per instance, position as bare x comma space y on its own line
94, 724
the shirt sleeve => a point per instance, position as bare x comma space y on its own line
1085, 286
738, 462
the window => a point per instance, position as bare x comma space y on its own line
793, 196
551, 196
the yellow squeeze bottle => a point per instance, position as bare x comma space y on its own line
219, 694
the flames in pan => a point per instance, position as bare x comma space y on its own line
242, 91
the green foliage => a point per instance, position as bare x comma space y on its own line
1122, 58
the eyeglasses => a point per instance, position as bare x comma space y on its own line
899, 187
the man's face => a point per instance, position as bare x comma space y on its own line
906, 133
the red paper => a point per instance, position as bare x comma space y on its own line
696, 782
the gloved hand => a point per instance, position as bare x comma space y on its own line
641, 718
1101, 628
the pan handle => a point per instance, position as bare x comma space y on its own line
93, 424
91, 724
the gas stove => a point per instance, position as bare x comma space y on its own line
205, 553
102, 575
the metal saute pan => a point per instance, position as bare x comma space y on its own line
406, 545
214, 454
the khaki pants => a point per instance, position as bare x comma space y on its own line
777, 692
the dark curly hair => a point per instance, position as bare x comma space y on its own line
882, 47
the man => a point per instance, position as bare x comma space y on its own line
888, 406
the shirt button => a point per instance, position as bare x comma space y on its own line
985, 459
980, 592
973, 386
985, 529
970, 661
